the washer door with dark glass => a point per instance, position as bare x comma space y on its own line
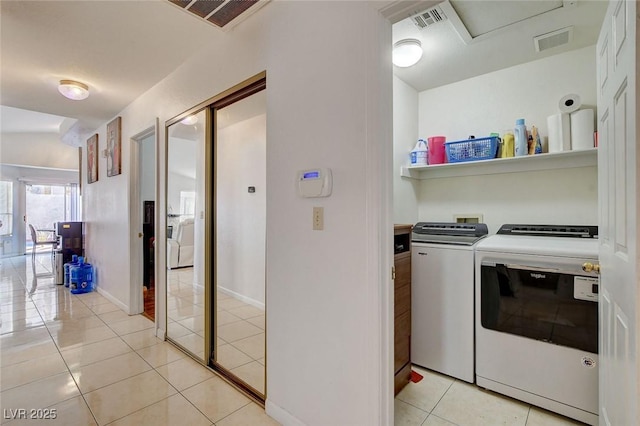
542, 304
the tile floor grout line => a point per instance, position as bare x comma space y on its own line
441, 418
443, 395
235, 411
153, 403
526, 420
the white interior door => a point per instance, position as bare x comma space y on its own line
619, 182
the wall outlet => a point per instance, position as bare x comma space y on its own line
318, 218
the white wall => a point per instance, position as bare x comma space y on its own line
405, 136
241, 216
491, 103
329, 104
38, 150
558, 197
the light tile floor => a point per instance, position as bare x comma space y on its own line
241, 335
82, 358
439, 400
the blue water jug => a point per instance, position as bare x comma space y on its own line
67, 269
81, 277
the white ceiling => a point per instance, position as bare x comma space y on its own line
123, 48
502, 33
15, 120
120, 49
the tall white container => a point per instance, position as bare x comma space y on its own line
520, 135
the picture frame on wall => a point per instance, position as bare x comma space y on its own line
114, 149
92, 159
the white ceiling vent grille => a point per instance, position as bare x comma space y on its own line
553, 39
429, 17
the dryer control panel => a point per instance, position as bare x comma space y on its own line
586, 288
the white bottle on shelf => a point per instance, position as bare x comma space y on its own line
520, 135
419, 153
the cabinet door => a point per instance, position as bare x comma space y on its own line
402, 284
402, 340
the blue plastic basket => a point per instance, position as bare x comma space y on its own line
472, 149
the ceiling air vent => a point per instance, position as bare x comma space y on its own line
429, 17
553, 39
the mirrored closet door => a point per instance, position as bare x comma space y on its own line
186, 212
239, 232
216, 229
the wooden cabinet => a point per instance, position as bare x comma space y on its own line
402, 306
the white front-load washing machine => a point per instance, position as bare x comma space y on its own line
537, 317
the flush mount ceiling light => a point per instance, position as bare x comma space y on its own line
192, 119
407, 52
73, 90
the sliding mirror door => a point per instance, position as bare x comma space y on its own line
216, 228
239, 235
186, 213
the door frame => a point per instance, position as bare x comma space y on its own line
136, 304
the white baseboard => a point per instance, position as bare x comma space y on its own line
113, 300
281, 415
242, 297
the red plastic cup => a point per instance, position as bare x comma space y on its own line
436, 150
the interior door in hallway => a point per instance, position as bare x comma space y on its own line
147, 201
618, 185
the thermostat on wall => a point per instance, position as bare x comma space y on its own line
315, 183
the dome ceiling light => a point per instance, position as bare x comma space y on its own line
407, 52
73, 90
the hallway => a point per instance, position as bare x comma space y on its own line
80, 360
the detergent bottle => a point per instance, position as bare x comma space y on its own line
419, 153
520, 138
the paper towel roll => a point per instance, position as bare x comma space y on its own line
559, 127
582, 129
569, 103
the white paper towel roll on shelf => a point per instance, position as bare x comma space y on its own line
569, 103
559, 127
582, 129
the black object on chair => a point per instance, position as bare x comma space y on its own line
43, 239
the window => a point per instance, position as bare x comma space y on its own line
6, 207
187, 203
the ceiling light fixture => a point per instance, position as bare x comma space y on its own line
191, 119
407, 52
73, 90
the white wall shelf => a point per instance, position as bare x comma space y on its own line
557, 160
